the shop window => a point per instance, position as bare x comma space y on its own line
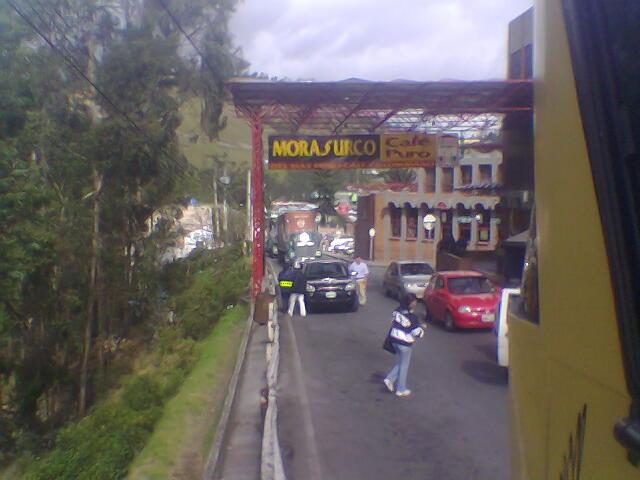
396, 221
428, 228
430, 180
430, 234
464, 232
466, 175
412, 223
484, 227
447, 180
485, 173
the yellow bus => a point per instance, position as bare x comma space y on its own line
575, 336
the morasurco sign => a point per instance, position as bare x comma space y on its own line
403, 150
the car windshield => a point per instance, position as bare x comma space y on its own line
316, 271
469, 285
415, 269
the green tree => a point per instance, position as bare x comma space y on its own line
82, 169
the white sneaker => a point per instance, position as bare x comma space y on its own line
403, 393
389, 384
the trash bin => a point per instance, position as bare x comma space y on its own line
261, 307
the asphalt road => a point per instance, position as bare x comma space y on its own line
338, 421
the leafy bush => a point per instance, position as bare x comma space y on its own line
103, 444
211, 291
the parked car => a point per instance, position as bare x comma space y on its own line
346, 248
405, 277
336, 242
329, 283
461, 299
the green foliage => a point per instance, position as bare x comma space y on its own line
189, 419
200, 296
399, 175
79, 184
103, 444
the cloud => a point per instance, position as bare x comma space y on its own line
376, 39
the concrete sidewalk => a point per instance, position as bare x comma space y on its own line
241, 450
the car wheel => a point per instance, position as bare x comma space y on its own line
354, 305
309, 306
449, 324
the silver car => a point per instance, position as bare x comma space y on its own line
406, 276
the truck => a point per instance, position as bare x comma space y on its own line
293, 232
297, 235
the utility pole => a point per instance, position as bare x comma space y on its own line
225, 210
248, 229
216, 208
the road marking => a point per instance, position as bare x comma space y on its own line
315, 470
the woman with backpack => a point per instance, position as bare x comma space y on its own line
405, 328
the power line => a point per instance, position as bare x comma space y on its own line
187, 36
79, 71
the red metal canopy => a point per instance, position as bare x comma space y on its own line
360, 106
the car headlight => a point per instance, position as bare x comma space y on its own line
411, 285
464, 309
350, 286
311, 288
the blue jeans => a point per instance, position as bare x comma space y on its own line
398, 374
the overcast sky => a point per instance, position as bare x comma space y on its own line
376, 39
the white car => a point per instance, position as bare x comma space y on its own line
338, 242
502, 326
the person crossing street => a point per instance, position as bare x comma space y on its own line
298, 290
405, 328
360, 271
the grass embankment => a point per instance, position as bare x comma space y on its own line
180, 443
103, 444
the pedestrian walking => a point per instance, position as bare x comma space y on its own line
298, 290
405, 328
285, 282
360, 271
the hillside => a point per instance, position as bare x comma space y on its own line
233, 146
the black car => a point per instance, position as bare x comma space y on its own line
329, 283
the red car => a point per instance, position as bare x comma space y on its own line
461, 299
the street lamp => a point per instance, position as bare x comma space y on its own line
372, 234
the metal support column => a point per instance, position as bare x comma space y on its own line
257, 204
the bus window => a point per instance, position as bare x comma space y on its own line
529, 289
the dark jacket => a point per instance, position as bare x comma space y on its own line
405, 327
299, 282
285, 281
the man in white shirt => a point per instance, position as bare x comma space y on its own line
360, 271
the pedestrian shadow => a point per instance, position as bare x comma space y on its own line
376, 378
486, 372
